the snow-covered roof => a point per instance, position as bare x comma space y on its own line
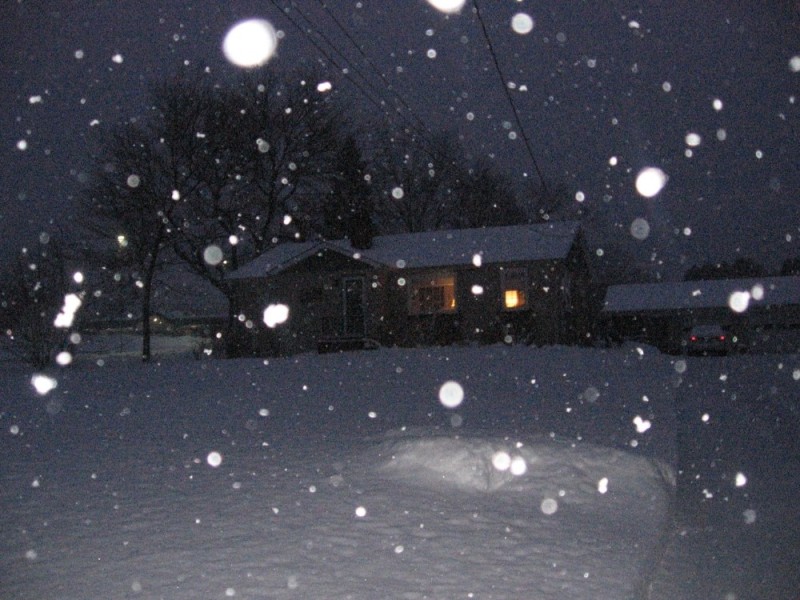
762, 291
432, 249
275, 259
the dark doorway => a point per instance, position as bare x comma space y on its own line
353, 306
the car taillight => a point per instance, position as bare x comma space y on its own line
722, 338
693, 338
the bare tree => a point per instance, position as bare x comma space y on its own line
419, 183
34, 293
551, 203
293, 134
212, 175
348, 208
263, 159
141, 174
487, 199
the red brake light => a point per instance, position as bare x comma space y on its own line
722, 338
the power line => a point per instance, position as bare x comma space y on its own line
375, 69
420, 129
333, 61
345, 69
525, 138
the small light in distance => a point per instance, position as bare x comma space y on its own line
250, 43
324, 86
650, 181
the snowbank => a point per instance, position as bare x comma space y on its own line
340, 476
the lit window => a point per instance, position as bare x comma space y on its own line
515, 288
513, 298
433, 294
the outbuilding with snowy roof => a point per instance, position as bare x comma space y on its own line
762, 313
513, 283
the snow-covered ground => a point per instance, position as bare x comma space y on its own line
346, 476
738, 530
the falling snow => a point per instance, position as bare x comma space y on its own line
447, 6
275, 314
650, 181
451, 394
250, 43
43, 384
522, 23
396, 480
640, 228
739, 301
213, 255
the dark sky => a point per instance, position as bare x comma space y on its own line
593, 80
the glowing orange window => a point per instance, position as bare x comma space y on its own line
514, 288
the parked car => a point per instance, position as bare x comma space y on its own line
709, 339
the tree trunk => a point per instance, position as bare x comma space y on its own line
147, 291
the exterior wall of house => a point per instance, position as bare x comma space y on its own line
480, 315
314, 294
395, 304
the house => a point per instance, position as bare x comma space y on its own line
763, 313
514, 283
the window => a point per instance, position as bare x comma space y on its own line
433, 294
514, 287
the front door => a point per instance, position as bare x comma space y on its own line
353, 306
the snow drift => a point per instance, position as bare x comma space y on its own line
340, 476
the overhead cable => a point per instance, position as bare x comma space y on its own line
499, 70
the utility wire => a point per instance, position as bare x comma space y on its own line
421, 129
333, 61
375, 69
527, 141
349, 67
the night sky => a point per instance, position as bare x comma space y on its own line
595, 83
